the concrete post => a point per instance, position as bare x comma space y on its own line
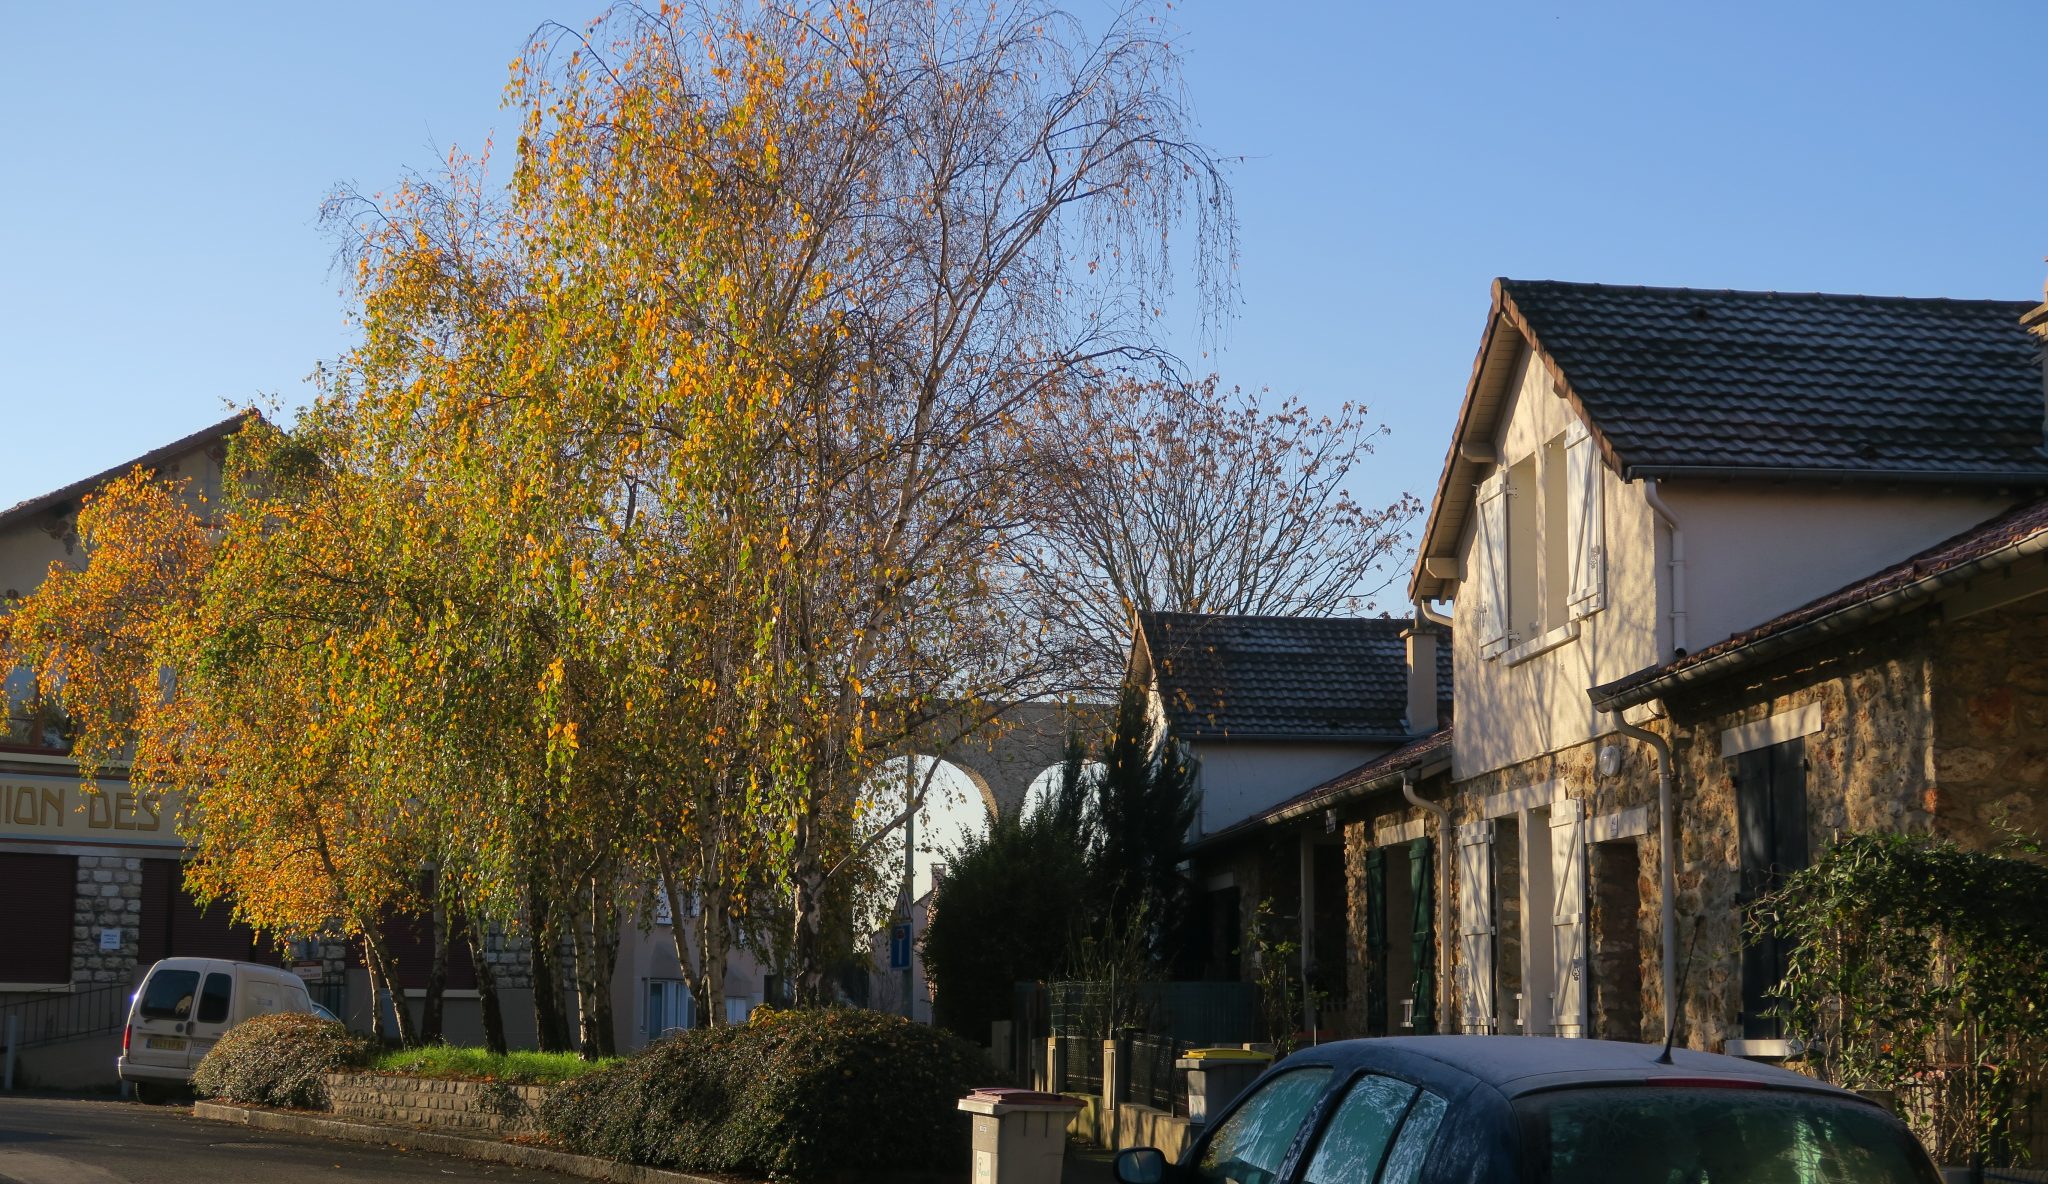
1112, 1091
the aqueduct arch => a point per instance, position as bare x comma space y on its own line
1004, 756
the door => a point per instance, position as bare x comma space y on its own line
1770, 798
157, 1037
214, 1013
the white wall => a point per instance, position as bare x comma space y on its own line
1242, 778
1511, 713
1756, 551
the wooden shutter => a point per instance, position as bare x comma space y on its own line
1568, 947
1490, 545
35, 925
1376, 942
1584, 534
1475, 926
1422, 888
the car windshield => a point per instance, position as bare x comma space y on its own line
168, 995
1682, 1135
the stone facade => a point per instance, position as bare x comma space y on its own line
109, 897
1991, 723
459, 1107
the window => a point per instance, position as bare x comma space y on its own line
1770, 802
169, 994
1628, 1136
1539, 561
1252, 1144
1360, 1134
213, 1001
668, 1007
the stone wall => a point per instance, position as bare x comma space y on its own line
459, 1107
109, 897
1991, 723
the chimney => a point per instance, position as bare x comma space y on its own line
1421, 641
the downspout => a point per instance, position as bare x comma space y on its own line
1667, 859
1670, 521
1445, 1014
1425, 613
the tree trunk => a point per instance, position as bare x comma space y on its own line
807, 938
597, 950
383, 981
715, 936
550, 1023
379, 1030
431, 1007
486, 988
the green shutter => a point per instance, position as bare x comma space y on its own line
1422, 878
1375, 943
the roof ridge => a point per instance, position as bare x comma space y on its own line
1771, 293
150, 459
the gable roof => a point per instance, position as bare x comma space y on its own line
1693, 382
60, 500
1226, 677
1421, 759
2018, 534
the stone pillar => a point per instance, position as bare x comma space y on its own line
109, 898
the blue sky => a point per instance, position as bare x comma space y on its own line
159, 248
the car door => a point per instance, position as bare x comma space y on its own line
213, 1014
1379, 1133
163, 1007
1252, 1144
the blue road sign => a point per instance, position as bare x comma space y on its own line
899, 946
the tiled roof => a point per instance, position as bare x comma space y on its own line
1375, 773
1902, 587
1296, 678
1680, 378
60, 498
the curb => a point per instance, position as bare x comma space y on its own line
515, 1154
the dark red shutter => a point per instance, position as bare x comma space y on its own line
159, 886
35, 924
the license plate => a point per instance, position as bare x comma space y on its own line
167, 1043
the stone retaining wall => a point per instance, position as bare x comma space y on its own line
469, 1107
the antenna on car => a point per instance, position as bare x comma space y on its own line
1671, 1006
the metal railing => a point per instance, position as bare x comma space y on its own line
1080, 1066
69, 1015
1151, 1079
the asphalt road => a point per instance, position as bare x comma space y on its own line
47, 1140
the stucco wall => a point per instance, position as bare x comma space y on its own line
1518, 712
1754, 551
1239, 779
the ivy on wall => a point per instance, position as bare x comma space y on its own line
1920, 968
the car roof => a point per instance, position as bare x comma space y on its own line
1517, 1065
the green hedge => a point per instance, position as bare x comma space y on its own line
801, 1096
277, 1060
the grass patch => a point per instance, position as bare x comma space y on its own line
477, 1064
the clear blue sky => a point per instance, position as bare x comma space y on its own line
163, 172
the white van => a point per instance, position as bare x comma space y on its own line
185, 1004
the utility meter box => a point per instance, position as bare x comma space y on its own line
1020, 1135
1216, 1076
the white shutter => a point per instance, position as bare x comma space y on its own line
1475, 926
1568, 874
1583, 523
1490, 542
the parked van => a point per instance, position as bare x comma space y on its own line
185, 1004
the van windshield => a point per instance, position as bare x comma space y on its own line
168, 995
1679, 1135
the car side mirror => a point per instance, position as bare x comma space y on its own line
1140, 1165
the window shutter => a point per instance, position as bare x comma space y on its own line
1568, 873
1422, 931
1475, 927
1491, 543
1584, 535
1376, 942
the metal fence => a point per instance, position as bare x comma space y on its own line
46, 1019
1194, 1013
1080, 1065
1151, 1079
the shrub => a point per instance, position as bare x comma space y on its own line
277, 1060
481, 1064
801, 1096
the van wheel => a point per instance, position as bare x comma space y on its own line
148, 1094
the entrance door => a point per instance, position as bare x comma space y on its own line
1770, 797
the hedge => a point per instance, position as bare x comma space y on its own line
799, 1096
277, 1060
